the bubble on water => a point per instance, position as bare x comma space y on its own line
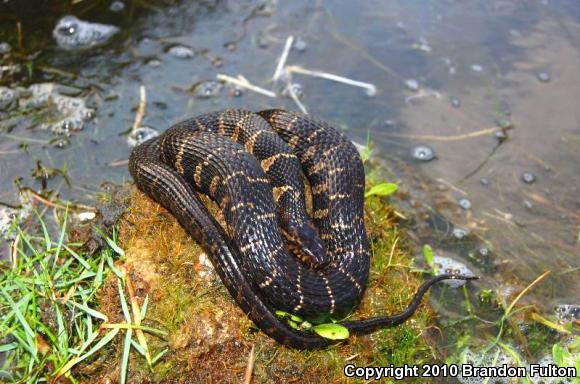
7, 98
567, 311
117, 6
5, 48
300, 45
61, 143
449, 265
528, 177
423, 153
412, 84
484, 181
464, 203
181, 51
71, 33
544, 77
70, 113
483, 251
455, 103
297, 88
141, 135
476, 68
459, 233
9, 214
207, 89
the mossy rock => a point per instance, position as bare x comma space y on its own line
210, 338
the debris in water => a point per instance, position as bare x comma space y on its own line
117, 6
567, 311
242, 82
484, 181
140, 135
71, 33
423, 153
448, 265
528, 177
371, 89
544, 77
181, 51
412, 84
464, 203
86, 216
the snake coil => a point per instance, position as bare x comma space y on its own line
271, 254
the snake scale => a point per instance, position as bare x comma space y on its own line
271, 255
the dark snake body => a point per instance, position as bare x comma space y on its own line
250, 165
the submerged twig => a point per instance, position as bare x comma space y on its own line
482, 132
141, 110
371, 89
283, 57
244, 83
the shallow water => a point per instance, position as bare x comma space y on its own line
473, 67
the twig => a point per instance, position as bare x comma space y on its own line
137, 316
283, 58
14, 250
471, 135
141, 110
371, 89
295, 97
250, 366
244, 83
522, 293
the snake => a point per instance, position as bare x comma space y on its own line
271, 254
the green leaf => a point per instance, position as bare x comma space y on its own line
331, 331
560, 355
428, 254
384, 189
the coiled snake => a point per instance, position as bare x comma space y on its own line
271, 255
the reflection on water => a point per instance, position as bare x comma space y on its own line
449, 76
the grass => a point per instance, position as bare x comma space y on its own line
48, 301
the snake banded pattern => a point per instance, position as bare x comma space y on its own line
270, 254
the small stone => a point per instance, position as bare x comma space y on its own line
181, 51
86, 216
464, 203
476, 68
528, 177
117, 6
154, 63
528, 204
484, 181
300, 45
7, 98
423, 153
5, 48
455, 103
544, 77
412, 84
501, 135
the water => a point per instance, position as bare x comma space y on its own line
474, 67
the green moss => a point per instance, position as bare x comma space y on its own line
209, 338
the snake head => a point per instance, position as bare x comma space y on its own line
305, 244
